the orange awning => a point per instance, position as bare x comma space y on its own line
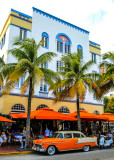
45, 113
110, 116
86, 116
3, 119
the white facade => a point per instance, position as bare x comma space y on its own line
45, 23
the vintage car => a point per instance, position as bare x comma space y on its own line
63, 141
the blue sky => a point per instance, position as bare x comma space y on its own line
95, 16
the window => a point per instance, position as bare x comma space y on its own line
67, 47
60, 89
18, 108
64, 110
59, 65
23, 33
94, 57
20, 82
67, 135
41, 106
96, 112
82, 109
59, 46
94, 74
43, 86
80, 50
63, 43
83, 136
44, 65
45, 40
76, 135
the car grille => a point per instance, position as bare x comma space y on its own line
38, 145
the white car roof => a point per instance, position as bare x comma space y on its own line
68, 132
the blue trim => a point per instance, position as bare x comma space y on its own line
63, 34
66, 42
94, 43
81, 48
19, 26
95, 53
21, 13
72, 101
20, 18
44, 34
94, 47
43, 92
59, 20
60, 40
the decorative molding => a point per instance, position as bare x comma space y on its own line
94, 47
63, 34
20, 18
94, 43
95, 53
21, 13
60, 20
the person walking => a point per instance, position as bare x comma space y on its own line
47, 131
23, 137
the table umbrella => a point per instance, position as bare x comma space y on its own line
86, 116
3, 119
45, 113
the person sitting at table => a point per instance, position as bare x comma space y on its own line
9, 132
1, 140
23, 137
3, 136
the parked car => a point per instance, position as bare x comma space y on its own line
63, 141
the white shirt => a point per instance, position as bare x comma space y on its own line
47, 132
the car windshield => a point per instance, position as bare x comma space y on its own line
58, 135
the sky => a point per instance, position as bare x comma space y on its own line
95, 16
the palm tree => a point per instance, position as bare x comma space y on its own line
29, 64
5, 71
75, 80
106, 80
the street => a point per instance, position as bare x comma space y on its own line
105, 154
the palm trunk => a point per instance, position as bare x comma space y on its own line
28, 115
78, 115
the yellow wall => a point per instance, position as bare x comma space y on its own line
6, 102
94, 50
16, 21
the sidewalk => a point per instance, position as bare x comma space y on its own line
9, 150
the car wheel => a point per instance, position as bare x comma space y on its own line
86, 148
51, 150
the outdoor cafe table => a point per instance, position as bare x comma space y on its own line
17, 137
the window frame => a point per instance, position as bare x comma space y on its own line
45, 40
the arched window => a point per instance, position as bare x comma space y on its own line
63, 43
96, 112
82, 109
42, 106
80, 50
18, 108
64, 110
45, 40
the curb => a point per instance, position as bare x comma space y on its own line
14, 153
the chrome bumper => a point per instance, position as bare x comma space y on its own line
38, 149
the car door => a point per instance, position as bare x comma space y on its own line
77, 141
68, 141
